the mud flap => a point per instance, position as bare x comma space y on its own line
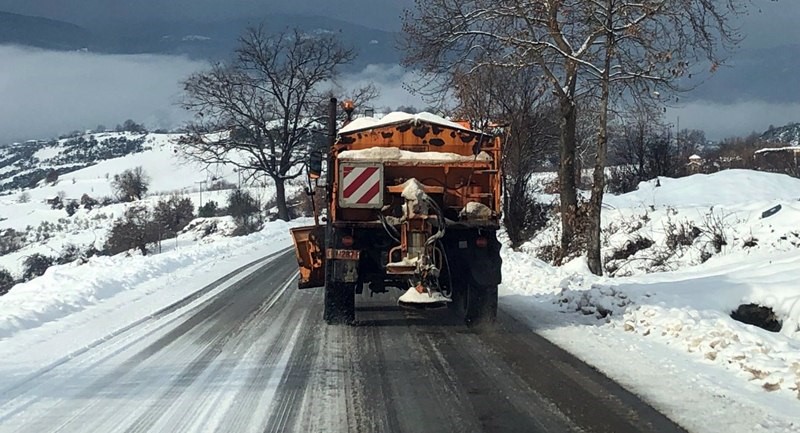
309, 244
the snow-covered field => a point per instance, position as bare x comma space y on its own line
668, 335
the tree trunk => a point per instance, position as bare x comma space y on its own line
566, 175
280, 199
599, 175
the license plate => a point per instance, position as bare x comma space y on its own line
343, 254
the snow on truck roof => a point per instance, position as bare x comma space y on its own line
385, 154
396, 117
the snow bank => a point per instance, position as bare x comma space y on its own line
210, 229
684, 314
67, 289
728, 187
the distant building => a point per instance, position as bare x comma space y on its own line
779, 159
695, 164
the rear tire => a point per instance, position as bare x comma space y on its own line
340, 303
481, 305
477, 305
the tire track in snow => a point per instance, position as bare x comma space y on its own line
232, 370
245, 404
215, 339
100, 406
19, 387
285, 406
125, 381
44, 378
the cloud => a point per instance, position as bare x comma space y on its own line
736, 119
46, 93
391, 81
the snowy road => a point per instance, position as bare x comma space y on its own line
257, 357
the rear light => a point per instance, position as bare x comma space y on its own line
347, 241
481, 242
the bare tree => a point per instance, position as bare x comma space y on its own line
492, 94
640, 147
260, 112
131, 184
579, 46
451, 35
645, 46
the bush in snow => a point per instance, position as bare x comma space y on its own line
56, 202
44, 231
621, 180
172, 215
6, 281
301, 204
24, 197
245, 210
621, 255
107, 200
72, 207
714, 229
136, 229
35, 265
208, 210
10, 241
523, 215
88, 202
52, 177
69, 254
131, 184
681, 234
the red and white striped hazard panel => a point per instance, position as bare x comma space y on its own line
361, 185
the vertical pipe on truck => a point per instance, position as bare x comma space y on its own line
329, 175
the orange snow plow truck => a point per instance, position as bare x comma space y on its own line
413, 203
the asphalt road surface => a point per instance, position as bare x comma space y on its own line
259, 358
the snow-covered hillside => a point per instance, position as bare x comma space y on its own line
787, 134
48, 231
662, 326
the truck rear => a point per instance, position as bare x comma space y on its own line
413, 203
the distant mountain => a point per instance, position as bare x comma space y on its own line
198, 40
217, 40
43, 33
787, 134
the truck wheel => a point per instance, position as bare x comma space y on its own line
477, 305
481, 305
340, 303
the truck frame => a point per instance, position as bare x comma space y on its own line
413, 202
